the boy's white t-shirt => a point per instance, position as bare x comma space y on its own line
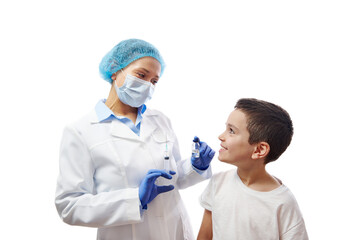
239, 212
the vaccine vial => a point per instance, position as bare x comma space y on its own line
195, 149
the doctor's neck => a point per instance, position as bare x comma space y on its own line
118, 107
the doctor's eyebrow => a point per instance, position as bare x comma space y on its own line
145, 70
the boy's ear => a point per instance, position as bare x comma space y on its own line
261, 150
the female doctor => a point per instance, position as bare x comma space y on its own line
111, 172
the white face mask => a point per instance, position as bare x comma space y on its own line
134, 91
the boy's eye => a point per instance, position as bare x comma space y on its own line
231, 131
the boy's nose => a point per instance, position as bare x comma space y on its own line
220, 137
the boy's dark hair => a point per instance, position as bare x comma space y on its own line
267, 122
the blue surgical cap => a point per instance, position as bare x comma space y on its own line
126, 52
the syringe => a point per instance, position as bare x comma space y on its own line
166, 157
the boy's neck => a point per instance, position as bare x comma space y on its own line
257, 178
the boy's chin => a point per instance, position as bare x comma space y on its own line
223, 159
228, 161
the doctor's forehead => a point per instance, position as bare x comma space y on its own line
148, 63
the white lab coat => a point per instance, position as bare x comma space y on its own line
101, 167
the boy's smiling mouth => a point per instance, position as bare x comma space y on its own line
222, 149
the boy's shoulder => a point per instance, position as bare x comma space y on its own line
223, 179
288, 198
282, 194
221, 176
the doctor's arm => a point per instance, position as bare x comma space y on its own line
205, 231
191, 170
76, 200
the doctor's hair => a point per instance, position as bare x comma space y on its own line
267, 122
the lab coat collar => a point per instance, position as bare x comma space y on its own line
119, 129
94, 117
103, 112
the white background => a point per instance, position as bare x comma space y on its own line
304, 56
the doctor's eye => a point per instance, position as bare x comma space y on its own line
141, 75
154, 82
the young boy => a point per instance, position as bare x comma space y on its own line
248, 203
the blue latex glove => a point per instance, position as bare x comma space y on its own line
205, 155
148, 190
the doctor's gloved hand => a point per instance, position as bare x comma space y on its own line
148, 190
205, 157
